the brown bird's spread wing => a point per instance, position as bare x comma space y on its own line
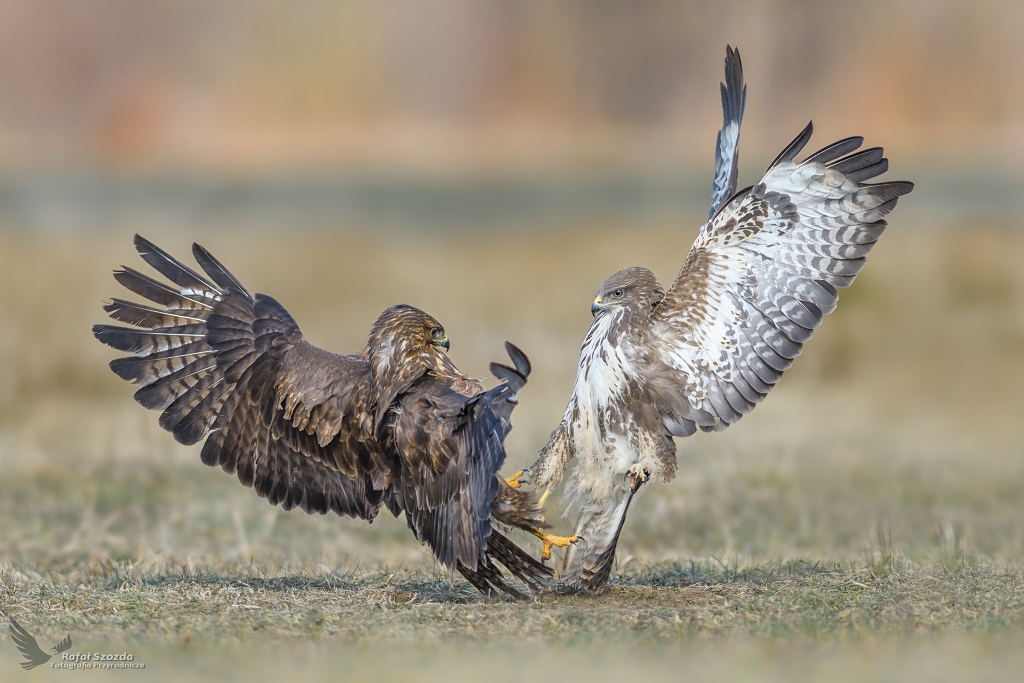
289, 419
760, 277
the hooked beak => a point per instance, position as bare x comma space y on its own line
444, 343
597, 307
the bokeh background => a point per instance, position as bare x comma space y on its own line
492, 162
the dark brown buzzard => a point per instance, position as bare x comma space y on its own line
395, 425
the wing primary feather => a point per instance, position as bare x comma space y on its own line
141, 315
869, 172
171, 268
835, 150
793, 148
855, 162
216, 270
155, 291
734, 98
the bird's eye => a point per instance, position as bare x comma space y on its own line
436, 333
617, 293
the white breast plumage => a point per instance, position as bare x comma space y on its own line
601, 438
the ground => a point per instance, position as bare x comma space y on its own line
243, 618
866, 522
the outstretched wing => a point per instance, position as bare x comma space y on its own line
28, 646
759, 279
727, 147
288, 418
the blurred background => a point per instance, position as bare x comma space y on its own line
492, 162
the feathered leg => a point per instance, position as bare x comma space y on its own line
547, 471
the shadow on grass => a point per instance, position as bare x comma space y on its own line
713, 571
426, 584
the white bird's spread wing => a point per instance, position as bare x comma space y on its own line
759, 278
727, 147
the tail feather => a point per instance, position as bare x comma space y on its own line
488, 579
588, 563
516, 560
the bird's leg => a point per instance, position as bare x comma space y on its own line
637, 476
513, 481
551, 541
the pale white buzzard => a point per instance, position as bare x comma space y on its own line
659, 363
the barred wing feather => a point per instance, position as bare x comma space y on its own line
286, 417
760, 277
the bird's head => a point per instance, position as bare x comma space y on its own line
634, 291
404, 344
403, 331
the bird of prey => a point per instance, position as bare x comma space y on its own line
30, 649
660, 362
396, 424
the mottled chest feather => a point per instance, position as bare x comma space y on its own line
607, 382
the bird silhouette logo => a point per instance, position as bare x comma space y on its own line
30, 648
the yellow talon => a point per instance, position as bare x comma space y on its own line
551, 541
513, 481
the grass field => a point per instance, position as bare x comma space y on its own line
866, 522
